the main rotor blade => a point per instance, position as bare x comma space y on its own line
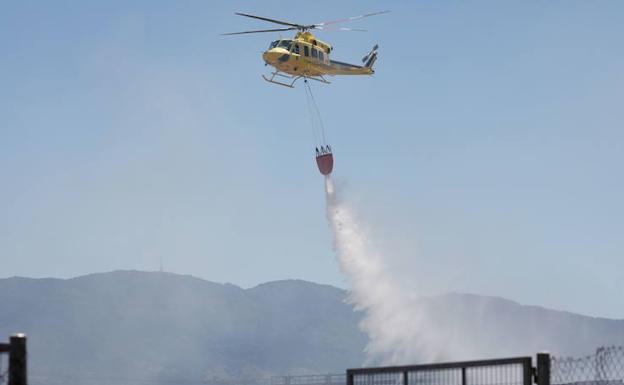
341, 29
351, 18
258, 31
269, 20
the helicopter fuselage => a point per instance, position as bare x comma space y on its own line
306, 56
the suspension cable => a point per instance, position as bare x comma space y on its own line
318, 113
317, 140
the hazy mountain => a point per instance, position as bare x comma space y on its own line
497, 327
129, 327
167, 327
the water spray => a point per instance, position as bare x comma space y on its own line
398, 327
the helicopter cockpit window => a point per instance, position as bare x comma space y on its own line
274, 44
285, 44
296, 49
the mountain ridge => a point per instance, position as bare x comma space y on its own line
164, 327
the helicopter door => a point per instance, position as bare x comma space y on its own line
306, 51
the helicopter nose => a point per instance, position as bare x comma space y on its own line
270, 56
273, 56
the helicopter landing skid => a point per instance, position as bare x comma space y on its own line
294, 79
276, 73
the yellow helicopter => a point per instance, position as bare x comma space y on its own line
304, 56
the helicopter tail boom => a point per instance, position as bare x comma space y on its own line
341, 68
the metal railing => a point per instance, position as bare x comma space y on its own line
605, 367
505, 371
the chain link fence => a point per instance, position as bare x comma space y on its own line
605, 367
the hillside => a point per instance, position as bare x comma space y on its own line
127, 326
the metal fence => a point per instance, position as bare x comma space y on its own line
506, 371
604, 367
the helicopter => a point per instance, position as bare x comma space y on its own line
304, 56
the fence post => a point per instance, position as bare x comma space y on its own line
543, 369
17, 360
349, 377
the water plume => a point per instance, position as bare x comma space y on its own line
398, 329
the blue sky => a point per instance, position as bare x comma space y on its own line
485, 155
